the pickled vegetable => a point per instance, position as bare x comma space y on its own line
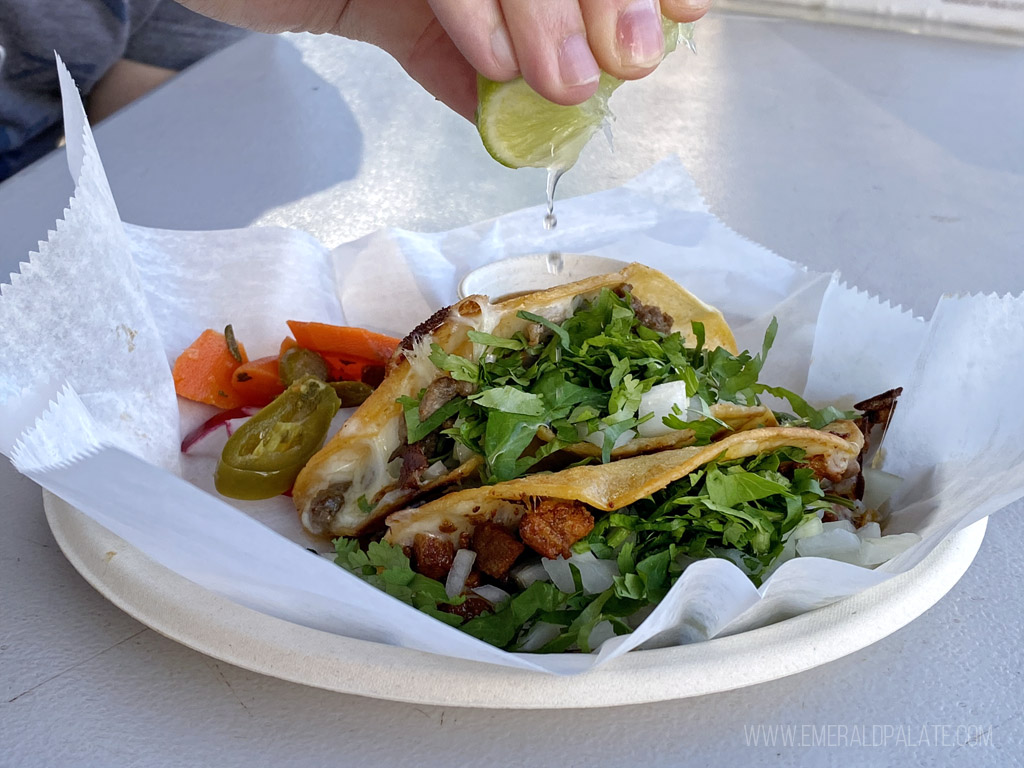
351, 393
265, 455
298, 362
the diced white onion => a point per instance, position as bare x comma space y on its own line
877, 551
597, 438
596, 575
839, 525
529, 572
462, 564
558, 571
434, 471
659, 401
540, 634
865, 547
809, 526
870, 531
879, 486
492, 594
835, 544
463, 453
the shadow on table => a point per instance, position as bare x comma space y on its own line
975, 112
244, 131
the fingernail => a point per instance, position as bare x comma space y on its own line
640, 40
501, 47
576, 63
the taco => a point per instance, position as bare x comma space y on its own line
613, 538
603, 369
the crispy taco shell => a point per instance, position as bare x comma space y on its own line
346, 489
609, 487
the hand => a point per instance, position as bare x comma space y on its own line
559, 46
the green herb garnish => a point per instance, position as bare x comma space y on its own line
741, 510
585, 377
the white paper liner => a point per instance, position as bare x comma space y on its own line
111, 432
76, 313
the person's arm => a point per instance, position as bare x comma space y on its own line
559, 46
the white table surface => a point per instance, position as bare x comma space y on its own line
898, 159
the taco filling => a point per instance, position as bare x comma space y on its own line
562, 561
545, 468
608, 381
587, 388
485, 392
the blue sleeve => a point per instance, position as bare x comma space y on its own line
174, 37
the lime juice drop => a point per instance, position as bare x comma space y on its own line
554, 174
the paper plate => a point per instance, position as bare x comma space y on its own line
195, 617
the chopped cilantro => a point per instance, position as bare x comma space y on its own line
459, 368
745, 504
586, 375
387, 567
806, 414
741, 510
508, 399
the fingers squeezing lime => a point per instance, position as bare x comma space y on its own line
521, 129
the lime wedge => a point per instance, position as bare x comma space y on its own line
522, 129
